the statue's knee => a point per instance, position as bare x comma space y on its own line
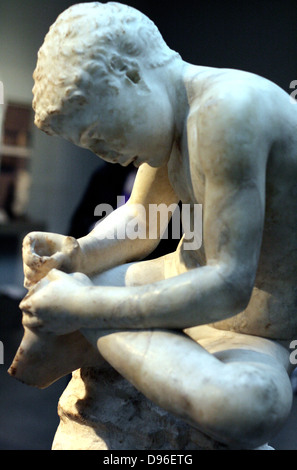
262, 400
245, 406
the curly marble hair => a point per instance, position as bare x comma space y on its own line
93, 44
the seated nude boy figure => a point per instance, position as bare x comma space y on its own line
203, 333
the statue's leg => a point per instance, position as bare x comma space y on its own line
233, 387
239, 395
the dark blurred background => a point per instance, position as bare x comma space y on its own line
44, 181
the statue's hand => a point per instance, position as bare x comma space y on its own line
51, 305
44, 251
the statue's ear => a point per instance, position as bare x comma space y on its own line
133, 75
125, 69
77, 98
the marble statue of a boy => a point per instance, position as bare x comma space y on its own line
202, 333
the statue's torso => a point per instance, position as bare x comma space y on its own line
272, 310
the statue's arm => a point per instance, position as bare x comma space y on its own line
233, 221
232, 231
109, 243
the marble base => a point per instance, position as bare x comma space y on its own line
100, 410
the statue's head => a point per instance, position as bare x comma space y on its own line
91, 49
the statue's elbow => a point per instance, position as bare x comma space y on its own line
238, 287
241, 296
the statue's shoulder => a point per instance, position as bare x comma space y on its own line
231, 112
230, 102
232, 89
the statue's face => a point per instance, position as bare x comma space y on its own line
132, 126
